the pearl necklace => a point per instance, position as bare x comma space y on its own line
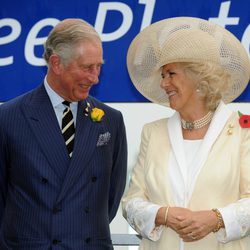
198, 123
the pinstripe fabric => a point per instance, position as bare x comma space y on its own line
47, 200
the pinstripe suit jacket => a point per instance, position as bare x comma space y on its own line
48, 201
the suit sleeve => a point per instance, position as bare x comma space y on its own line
236, 216
3, 174
137, 209
119, 170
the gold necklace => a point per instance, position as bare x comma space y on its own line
197, 123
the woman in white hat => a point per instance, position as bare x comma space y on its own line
190, 188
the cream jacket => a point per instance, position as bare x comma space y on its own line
221, 180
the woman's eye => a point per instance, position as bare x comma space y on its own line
167, 75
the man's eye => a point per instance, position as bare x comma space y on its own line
85, 67
91, 67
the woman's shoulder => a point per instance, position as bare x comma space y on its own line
238, 124
157, 123
239, 120
156, 127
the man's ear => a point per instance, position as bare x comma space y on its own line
55, 63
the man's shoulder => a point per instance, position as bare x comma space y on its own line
16, 101
13, 107
13, 103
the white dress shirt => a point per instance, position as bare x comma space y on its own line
56, 102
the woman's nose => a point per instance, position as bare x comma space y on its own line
165, 82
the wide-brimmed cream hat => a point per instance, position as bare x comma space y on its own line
185, 39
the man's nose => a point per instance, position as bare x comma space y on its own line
94, 75
94, 79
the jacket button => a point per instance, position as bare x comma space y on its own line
55, 241
56, 210
87, 210
94, 179
44, 180
87, 240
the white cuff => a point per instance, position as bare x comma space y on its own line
141, 216
232, 229
154, 232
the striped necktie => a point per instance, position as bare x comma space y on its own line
68, 129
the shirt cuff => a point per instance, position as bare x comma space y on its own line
232, 230
153, 232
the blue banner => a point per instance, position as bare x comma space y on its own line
25, 24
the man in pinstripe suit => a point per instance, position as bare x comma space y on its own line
50, 199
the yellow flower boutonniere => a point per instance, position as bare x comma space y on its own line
97, 114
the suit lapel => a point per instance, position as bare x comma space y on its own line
187, 180
86, 137
42, 120
176, 139
159, 152
220, 118
43, 123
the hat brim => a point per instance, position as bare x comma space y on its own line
185, 39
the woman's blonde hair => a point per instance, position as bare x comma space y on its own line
211, 80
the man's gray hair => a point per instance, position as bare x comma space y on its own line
66, 35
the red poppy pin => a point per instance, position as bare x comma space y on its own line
244, 120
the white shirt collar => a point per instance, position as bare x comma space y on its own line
55, 99
53, 96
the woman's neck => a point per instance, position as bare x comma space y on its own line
194, 113
195, 122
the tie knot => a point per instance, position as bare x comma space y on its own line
66, 103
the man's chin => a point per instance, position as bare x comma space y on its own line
82, 96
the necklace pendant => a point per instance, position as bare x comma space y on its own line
189, 125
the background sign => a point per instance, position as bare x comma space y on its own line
24, 26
